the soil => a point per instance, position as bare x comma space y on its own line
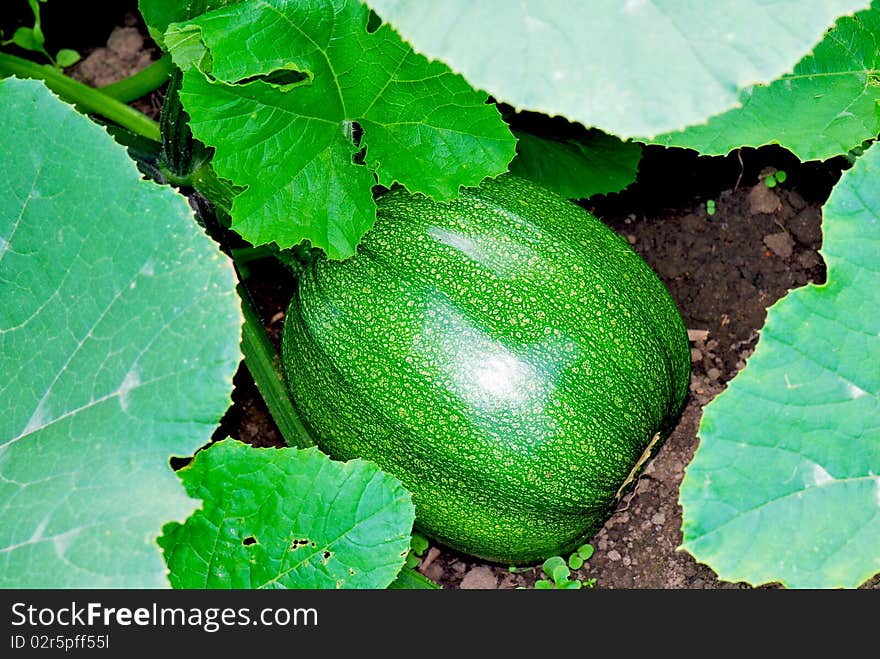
723, 270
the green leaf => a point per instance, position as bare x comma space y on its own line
66, 57
27, 38
632, 68
826, 107
578, 169
543, 584
419, 543
551, 563
281, 115
586, 551
575, 562
288, 518
556, 568
119, 331
31, 38
785, 485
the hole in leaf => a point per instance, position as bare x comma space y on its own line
282, 78
327, 554
296, 544
250, 540
374, 22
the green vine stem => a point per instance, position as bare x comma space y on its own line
264, 364
141, 83
86, 99
410, 579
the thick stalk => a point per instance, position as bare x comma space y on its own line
86, 99
141, 83
263, 362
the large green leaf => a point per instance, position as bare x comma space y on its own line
577, 169
785, 485
827, 106
119, 331
281, 115
288, 518
633, 68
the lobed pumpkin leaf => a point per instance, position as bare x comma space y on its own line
284, 115
826, 107
785, 485
288, 518
577, 169
633, 68
116, 353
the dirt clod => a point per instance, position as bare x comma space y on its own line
124, 55
479, 578
780, 244
763, 199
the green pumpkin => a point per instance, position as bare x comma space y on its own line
505, 355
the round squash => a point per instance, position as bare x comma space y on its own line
505, 355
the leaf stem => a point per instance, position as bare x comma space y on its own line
409, 579
264, 364
141, 83
86, 99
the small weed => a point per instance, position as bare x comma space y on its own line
558, 571
418, 545
33, 39
774, 178
710, 207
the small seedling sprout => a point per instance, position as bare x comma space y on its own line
33, 39
418, 545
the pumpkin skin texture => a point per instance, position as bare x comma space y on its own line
504, 354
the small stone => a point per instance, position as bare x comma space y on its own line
698, 335
780, 244
631, 239
658, 519
479, 578
713, 374
613, 555
434, 572
696, 355
125, 41
763, 200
